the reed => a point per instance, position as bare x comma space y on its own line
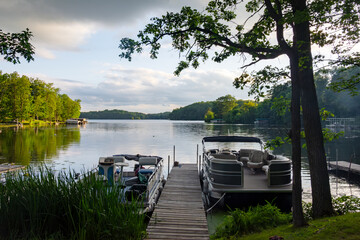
38, 203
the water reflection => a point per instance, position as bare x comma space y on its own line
23, 146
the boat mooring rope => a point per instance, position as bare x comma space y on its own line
209, 209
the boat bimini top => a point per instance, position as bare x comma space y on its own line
231, 139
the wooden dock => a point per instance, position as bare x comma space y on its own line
180, 212
7, 167
345, 166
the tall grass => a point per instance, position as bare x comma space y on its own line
38, 203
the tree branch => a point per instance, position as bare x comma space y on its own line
279, 26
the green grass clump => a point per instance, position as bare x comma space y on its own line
342, 205
344, 227
256, 219
42, 205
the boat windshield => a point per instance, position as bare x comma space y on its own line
233, 145
232, 142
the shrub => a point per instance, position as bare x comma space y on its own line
256, 219
342, 205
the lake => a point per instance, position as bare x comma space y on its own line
79, 147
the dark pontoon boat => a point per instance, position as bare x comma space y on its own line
237, 171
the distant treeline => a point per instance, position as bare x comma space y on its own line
274, 108
121, 114
23, 98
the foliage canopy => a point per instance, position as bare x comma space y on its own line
14, 44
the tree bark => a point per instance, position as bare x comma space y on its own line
298, 215
321, 196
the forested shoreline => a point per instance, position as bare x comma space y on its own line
121, 114
27, 99
274, 108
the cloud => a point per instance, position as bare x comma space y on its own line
64, 36
67, 24
149, 91
44, 53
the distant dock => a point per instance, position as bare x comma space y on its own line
76, 121
180, 212
345, 166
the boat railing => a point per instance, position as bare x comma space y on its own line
224, 171
228, 178
154, 179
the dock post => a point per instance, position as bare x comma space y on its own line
174, 155
337, 159
168, 165
197, 153
199, 163
351, 158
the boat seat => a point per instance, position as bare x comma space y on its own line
131, 181
119, 159
146, 172
244, 155
278, 172
147, 161
224, 156
108, 171
265, 168
212, 151
256, 159
225, 151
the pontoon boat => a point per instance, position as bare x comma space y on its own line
237, 171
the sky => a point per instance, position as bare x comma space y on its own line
76, 48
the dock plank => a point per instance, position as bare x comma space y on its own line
180, 212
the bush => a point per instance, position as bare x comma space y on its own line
341, 205
256, 219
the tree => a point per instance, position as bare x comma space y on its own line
223, 105
38, 93
23, 98
19, 97
70, 108
209, 116
195, 111
4, 96
14, 44
195, 33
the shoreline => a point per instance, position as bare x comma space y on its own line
29, 124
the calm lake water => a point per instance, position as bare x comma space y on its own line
79, 148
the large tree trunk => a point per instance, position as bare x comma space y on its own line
298, 215
321, 196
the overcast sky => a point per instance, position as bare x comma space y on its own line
76, 44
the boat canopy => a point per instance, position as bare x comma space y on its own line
231, 139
